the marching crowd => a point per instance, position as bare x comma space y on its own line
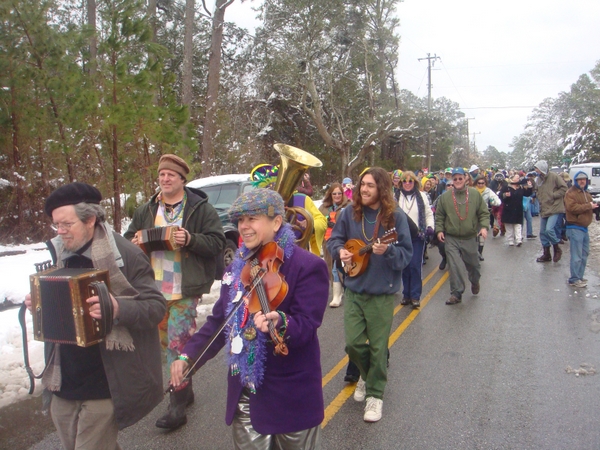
374, 237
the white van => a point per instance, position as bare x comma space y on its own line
593, 172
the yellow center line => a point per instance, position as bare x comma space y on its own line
348, 390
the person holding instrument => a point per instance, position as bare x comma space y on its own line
369, 309
274, 396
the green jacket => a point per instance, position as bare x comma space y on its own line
476, 218
199, 257
550, 194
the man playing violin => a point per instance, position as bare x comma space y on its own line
369, 306
274, 400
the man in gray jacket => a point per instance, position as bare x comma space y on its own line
550, 193
100, 389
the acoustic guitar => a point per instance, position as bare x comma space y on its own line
361, 252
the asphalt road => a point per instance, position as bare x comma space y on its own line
489, 373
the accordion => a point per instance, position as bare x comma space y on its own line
59, 308
159, 238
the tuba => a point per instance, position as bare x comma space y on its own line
294, 163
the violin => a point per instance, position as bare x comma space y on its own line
266, 287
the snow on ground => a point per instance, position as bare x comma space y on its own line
14, 285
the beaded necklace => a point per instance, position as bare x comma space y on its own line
173, 213
465, 202
372, 223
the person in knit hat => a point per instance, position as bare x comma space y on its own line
100, 389
184, 273
267, 405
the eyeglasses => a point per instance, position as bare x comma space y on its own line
408, 181
65, 226
481, 182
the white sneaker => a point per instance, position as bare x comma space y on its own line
361, 390
373, 409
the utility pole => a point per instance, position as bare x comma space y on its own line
429, 65
468, 145
475, 146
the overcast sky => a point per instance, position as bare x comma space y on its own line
494, 56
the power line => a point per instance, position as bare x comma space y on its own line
500, 107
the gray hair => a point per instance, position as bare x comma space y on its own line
85, 211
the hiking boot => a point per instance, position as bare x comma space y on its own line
475, 288
578, 284
361, 390
373, 409
546, 256
443, 264
416, 303
557, 253
405, 301
453, 300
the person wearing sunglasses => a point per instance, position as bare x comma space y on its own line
415, 204
512, 212
461, 216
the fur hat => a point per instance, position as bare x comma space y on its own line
174, 163
71, 194
256, 202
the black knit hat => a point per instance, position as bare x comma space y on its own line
71, 194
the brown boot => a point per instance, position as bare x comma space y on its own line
546, 256
557, 253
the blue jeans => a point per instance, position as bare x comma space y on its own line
580, 249
412, 285
548, 230
334, 272
529, 220
561, 225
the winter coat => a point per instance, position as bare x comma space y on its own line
578, 205
290, 397
490, 198
134, 377
512, 211
550, 193
207, 240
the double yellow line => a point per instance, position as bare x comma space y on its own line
348, 390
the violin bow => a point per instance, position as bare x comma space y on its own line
188, 374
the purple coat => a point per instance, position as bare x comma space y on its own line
290, 397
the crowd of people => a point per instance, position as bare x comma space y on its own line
373, 237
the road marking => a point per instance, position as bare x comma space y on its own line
348, 390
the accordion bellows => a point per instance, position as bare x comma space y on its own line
59, 309
159, 238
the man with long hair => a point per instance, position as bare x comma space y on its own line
370, 296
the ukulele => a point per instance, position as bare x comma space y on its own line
361, 252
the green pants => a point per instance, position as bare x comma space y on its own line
367, 322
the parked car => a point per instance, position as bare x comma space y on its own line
222, 190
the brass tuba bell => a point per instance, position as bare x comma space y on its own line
294, 163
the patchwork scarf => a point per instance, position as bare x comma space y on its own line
249, 363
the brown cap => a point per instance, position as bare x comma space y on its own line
174, 163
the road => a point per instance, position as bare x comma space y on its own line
489, 373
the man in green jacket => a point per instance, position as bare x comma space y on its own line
185, 274
551, 190
461, 216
